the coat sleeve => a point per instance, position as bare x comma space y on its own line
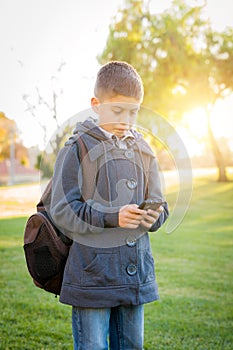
67, 208
155, 192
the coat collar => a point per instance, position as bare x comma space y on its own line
97, 148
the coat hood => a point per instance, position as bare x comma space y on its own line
94, 138
91, 128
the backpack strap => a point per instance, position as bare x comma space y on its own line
46, 197
88, 173
145, 155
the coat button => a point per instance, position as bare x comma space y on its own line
131, 241
132, 184
131, 269
129, 154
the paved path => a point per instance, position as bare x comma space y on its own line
21, 200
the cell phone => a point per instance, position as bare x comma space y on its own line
150, 204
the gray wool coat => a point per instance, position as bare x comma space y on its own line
107, 265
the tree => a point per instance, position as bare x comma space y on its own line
7, 128
183, 62
37, 107
33, 107
9, 137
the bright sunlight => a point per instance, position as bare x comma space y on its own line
194, 126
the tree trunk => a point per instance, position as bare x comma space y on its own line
219, 159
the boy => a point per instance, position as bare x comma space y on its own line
109, 273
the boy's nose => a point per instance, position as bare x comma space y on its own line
125, 118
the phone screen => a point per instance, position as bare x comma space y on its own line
150, 205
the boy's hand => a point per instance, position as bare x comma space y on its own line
151, 217
130, 216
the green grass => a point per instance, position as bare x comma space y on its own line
194, 269
30, 318
194, 272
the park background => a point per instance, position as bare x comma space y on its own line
51, 51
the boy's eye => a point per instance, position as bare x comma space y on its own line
117, 111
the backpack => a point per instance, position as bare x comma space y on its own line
46, 248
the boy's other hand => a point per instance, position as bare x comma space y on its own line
130, 216
151, 217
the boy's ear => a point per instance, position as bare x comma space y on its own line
95, 104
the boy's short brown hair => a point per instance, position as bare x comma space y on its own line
118, 78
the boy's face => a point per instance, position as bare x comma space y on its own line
116, 114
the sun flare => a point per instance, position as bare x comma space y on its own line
221, 119
194, 128
196, 122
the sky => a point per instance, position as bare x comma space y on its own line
38, 36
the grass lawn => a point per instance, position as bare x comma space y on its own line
194, 272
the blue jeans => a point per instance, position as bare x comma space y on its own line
123, 326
